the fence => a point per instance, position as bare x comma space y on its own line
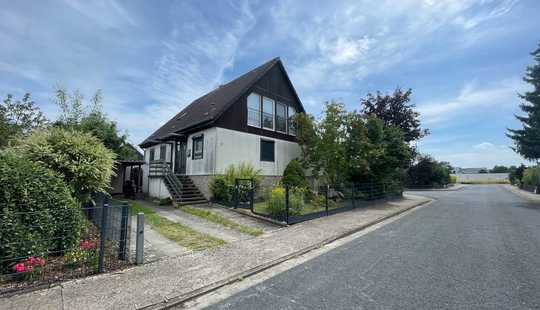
294, 205
46, 246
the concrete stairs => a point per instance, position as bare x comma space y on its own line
183, 191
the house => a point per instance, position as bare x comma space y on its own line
249, 119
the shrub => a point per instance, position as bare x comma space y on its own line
84, 162
530, 176
453, 179
428, 172
37, 212
275, 202
165, 201
222, 186
294, 175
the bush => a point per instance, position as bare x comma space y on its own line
530, 176
294, 175
428, 172
275, 202
55, 220
453, 179
222, 186
84, 162
516, 175
165, 201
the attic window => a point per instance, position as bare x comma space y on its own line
254, 110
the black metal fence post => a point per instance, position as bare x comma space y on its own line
102, 237
326, 198
122, 246
236, 193
287, 203
251, 194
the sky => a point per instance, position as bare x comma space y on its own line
464, 60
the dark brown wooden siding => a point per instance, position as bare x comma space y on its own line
273, 85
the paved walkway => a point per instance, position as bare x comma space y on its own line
172, 279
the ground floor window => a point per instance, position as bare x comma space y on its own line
267, 150
198, 147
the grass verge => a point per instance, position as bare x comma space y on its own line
179, 233
218, 219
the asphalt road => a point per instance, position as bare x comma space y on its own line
476, 248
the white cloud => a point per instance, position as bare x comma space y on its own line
501, 93
108, 14
484, 146
341, 43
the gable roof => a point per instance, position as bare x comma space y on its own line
208, 108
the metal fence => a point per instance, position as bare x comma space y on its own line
76, 243
293, 205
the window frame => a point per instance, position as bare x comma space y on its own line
289, 107
163, 152
273, 114
195, 155
286, 120
152, 154
259, 111
273, 142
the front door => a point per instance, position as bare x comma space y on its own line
180, 158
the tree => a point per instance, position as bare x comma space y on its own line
499, 169
351, 147
483, 170
92, 120
19, 118
527, 139
395, 110
294, 175
516, 174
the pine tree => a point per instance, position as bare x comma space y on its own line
527, 139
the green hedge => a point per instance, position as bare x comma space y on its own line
37, 213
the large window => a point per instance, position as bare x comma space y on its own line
162, 152
291, 122
268, 113
267, 150
281, 117
198, 147
152, 154
254, 110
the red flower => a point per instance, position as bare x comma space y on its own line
40, 261
29, 268
31, 260
20, 267
87, 245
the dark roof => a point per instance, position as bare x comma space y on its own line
209, 107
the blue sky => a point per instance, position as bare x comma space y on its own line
464, 59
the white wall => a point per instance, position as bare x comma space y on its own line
150, 185
205, 165
234, 147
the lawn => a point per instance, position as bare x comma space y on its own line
218, 219
179, 233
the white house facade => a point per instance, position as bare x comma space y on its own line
249, 119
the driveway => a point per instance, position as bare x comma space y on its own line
476, 248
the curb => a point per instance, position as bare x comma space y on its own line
449, 189
175, 301
523, 194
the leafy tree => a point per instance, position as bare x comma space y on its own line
92, 120
85, 164
395, 110
19, 118
351, 147
426, 171
499, 169
323, 142
527, 139
483, 170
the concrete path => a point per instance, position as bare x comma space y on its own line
172, 279
155, 245
477, 248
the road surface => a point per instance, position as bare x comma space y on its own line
476, 248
